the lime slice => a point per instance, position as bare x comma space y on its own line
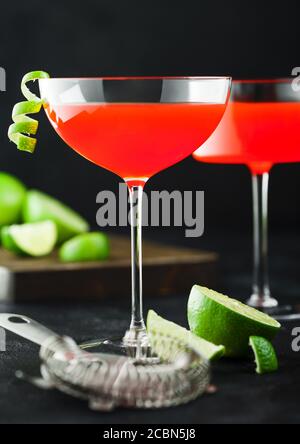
23, 127
222, 320
39, 206
157, 324
265, 355
36, 239
85, 247
12, 194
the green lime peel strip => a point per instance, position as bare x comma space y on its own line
24, 127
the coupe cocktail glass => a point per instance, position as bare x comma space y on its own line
260, 128
135, 127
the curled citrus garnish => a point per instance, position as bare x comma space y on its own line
24, 127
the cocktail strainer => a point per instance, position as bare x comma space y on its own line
107, 380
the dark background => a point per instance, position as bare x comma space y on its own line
104, 37
158, 37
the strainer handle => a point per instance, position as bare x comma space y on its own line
26, 328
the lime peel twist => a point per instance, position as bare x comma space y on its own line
24, 127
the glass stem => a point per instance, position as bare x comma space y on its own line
261, 297
137, 331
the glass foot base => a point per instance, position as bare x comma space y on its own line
284, 312
139, 350
270, 306
262, 302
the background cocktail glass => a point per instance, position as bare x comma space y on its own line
260, 128
135, 127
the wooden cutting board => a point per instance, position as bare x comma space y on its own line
167, 270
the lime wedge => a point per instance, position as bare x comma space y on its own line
265, 355
157, 324
36, 239
12, 194
39, 206
85, 247
8, 242
23, 127
222, 320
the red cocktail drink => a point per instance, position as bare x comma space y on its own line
255, 134
260, 128
135, 140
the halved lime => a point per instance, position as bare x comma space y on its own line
157, 324
12, 194
37, 239
222, 320
265, 355
85, 247
39, 206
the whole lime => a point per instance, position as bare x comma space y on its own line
85, 247
12, 195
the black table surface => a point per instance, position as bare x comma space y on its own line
241, 397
